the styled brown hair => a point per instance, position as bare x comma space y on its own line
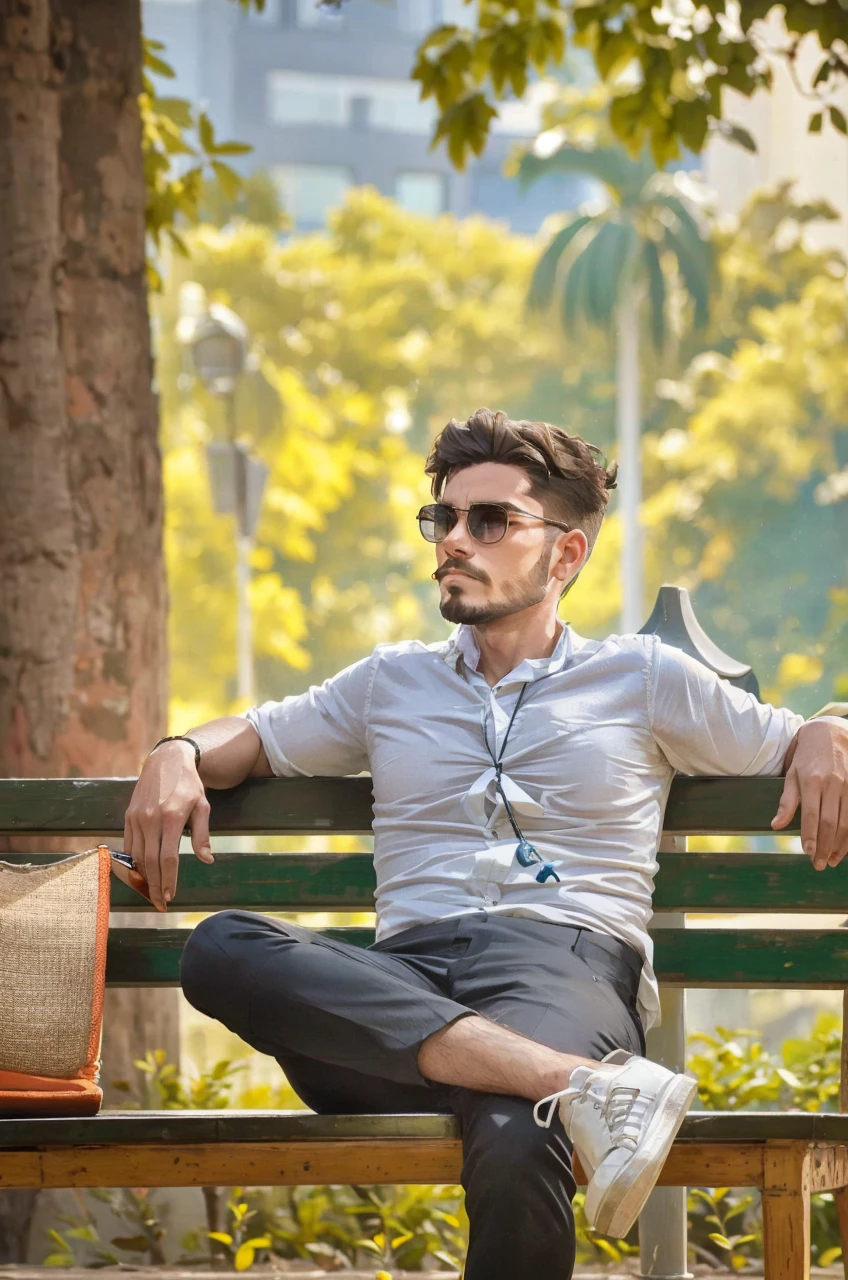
565, 472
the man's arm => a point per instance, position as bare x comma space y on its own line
170, 794
816, 768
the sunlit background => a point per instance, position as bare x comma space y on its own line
381, 291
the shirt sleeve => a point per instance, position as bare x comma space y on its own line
706, 725
322, 731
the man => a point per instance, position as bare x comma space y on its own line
520, 778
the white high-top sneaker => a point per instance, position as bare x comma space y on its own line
622, 1117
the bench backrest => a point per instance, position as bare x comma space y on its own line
710, 882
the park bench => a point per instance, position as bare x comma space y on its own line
788, 1156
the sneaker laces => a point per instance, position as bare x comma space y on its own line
619, 1107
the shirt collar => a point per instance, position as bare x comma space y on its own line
462, 645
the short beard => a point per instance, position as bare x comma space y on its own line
516, 597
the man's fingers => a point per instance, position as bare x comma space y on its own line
128, 835
840, 840
199, 824
788, 802
828, 825
151, 832
811, 799
173, 825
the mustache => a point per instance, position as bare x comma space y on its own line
455, 564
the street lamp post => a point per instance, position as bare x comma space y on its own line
218, 340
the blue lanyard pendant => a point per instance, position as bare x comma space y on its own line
527, 855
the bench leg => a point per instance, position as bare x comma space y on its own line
786, 1211
841, 1198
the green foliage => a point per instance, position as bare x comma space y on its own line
366, 339
80, 1243
735, 1072
369, 336
181, 154
651, 235
725, 1227
240, 1245
668, 65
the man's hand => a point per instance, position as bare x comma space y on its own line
817, 776
167, 796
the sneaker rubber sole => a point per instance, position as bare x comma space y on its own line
624, 1198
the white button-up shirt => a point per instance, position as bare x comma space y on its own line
588, 765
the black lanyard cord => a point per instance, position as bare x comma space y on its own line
526, 853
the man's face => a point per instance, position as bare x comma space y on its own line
481, 582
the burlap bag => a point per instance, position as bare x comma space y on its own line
54, 926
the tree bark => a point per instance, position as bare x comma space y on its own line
82, 633
39, 565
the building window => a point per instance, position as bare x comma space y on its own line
299, 98
421, 192
309, 191
394, 105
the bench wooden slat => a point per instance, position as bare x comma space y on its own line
709, 882
814, 959
139, 1127
291, 806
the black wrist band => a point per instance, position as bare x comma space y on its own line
180, 737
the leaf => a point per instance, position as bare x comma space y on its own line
231, 183
543, 280
231, 148
133, 1244
829, 1256
815, 125
837, 119
244, 1257
205, 132
223, 1237
259, 1242
736, 133
720, 1240
157, 66
59, 1260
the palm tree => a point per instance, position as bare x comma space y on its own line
611, 268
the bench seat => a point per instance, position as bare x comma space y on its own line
289, 1148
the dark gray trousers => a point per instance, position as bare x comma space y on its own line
346, 1025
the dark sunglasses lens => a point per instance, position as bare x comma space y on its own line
487, 523
436, 522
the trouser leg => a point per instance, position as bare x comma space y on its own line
519, 1185
289, 991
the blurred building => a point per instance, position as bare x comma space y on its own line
779, 120
326, 102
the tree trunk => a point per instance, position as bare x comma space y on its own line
38, 556
630, 461
119, 708
82, 633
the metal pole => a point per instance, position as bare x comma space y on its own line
244, 546
630, 460
662, 1223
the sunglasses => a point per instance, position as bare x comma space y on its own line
487, 521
